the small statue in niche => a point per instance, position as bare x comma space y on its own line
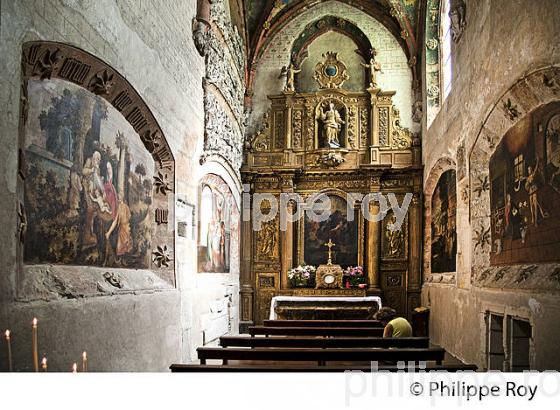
394, 239
374, 66
290, 73
267, 239
332, 124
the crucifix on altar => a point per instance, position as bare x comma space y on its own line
330, 244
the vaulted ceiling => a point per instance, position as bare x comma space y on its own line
264, 18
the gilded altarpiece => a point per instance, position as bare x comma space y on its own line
297, 151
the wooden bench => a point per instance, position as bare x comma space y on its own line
321, 355
317, 331
196, 368
322, 323
286, 341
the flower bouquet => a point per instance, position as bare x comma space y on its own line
354, 277
302, 276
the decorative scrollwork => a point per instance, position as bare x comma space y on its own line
401, 138
161, 183
101, 83
45, 66
511, 110
162, 256
331, 72
330, 160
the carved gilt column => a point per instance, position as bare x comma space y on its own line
373, 242
287, 236
246, 276
415, 259
288, 122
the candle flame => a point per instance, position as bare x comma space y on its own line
75, 368
34, 323
44, 362
84, 355
7, 334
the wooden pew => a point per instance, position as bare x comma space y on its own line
322, 323
285, 341
317, 331
197, 368
321, 355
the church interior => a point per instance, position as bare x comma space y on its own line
184, 180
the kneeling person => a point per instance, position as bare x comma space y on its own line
394, 326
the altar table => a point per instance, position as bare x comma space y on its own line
300, 307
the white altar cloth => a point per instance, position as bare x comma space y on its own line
276, 299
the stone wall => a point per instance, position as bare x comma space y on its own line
504, 43
150, 44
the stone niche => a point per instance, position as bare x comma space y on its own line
96, 175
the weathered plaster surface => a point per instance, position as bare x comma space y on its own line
150, 44
503, 41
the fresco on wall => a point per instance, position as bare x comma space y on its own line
525, 191
444, 234
219, 226
88, 181
339, 229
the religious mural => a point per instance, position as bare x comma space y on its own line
525, 191
218, 227
444, 234
343, 232
88, 181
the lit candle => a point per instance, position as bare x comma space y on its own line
75, 368
44, 364
9, 342
34, 342
84, 362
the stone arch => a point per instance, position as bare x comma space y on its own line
218, 230
535, 89
323, 25
440, 167
222, 168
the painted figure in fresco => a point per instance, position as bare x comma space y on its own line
120, 215
507, 214
216, 236
532, 188
443, 226
122, 224
374, 67
75, 189
110, 191
93, 186
332, 123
